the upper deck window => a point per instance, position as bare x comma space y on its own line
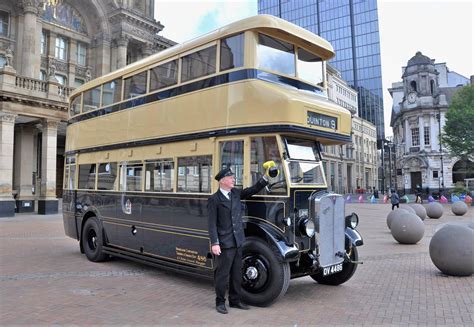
232, 52
112, 92
164, 75
310, 67
199, 63
75, 105
276, 55
135, 85
91, 99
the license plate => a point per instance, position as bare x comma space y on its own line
334, 269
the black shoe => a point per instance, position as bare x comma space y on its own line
221, 308
239, 305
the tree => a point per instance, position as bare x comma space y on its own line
458, 132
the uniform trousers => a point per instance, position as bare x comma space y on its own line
229, 264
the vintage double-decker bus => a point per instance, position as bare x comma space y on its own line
144, 142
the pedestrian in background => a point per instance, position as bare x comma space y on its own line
395, 199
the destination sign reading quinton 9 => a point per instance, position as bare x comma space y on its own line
322, 120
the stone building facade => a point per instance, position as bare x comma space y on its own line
350, 167
47, 48
420, 102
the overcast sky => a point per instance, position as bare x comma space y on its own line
442, 30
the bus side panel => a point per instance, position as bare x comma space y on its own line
69, 217
175, 228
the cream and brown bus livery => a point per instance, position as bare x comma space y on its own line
144, 142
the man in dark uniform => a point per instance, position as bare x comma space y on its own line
227, 236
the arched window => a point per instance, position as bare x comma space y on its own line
432, 85
463, 169
413, 85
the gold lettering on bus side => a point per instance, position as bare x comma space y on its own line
190, 256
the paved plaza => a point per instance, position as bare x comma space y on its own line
45, 280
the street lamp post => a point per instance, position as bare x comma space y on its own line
440, 180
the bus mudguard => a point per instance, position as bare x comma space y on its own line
354, 236
261, 228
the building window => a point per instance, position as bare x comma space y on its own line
426, 134
61, 79
42, 75
413, 85
435, 174
4, 20
61, 48
432, 86
78, 82
415, 136
81, 53
44, 43
3, 61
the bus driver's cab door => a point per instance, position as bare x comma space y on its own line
231, 155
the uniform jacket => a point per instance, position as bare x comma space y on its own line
225, 216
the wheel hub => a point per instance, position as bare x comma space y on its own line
251, 273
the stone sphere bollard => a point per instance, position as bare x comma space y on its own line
408, 208
407, 229
394, 214
419, 210
434, 210
459, 208
451, 250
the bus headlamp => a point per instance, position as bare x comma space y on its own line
307, 227
352, 220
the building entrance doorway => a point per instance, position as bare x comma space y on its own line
415, 181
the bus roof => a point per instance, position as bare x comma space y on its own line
260, 22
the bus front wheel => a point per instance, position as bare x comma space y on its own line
92, 241
265, 278
348, 269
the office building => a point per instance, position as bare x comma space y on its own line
352, 28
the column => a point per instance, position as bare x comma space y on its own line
48, 203
23, 167
421, 129
7, 127
122, 44
407, 136
30, 44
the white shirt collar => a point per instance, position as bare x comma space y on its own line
226, 193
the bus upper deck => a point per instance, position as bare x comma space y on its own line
261, 75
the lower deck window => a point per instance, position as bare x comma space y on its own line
195, 174
159, 176
87, 176
131, 176
107, 176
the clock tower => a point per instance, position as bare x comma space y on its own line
420, 81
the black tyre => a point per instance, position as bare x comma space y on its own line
265, 278
348, 269
92, 241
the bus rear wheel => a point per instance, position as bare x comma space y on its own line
92, 241
348, 269
265, 278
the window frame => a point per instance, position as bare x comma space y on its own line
195, 50
7, 24
57, 53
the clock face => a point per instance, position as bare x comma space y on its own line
411, 97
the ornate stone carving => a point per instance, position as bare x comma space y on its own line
7, 117
88, 75
30, 6
122, 41
9, 57
81, 71
49, 124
